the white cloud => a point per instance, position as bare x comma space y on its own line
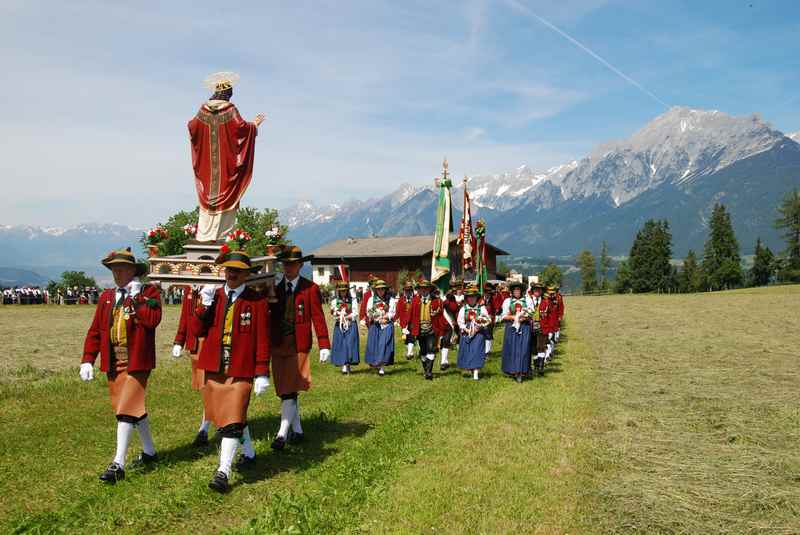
359, 96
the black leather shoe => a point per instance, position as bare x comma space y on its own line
201, 440
112, 474
296, 438
445, 366
278, 444
144, 460
219, 483
244, 462
427, 366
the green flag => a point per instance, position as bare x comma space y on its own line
440, 262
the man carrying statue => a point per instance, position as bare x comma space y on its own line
223, 151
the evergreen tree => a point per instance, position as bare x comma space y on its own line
551, 275
649, 263
622, 284
605, 265
691, 276
722, 267
763, 265
588, 267
789, 222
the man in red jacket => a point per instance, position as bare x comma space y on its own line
560, 303
298, 307
123, 332
234, 320
404, 316
186, 338
426, 324
550, 323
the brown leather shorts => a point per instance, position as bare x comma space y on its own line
225, 398
127, 390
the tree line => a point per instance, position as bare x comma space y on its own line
650, 266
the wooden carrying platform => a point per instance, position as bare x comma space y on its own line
196, 266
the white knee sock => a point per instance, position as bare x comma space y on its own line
288, 409
488, 346
475, 375
445, 351
204, 424
247, 443
144, 434
124, 434
296, 427
227, 451
430, 356
540, 355
344, 368
410, 349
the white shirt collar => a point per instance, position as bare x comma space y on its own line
127, 288
236, 292
294, 282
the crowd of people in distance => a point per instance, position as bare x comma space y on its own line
35, 295
462, 318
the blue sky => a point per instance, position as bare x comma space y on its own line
359, 96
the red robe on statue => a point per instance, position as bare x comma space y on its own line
223, 150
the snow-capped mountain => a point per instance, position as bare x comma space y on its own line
306, 212
676, 147
51, 250
676, 167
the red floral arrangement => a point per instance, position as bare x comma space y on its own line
236, 240
156, 235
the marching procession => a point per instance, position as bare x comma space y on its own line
244, 335
238, 341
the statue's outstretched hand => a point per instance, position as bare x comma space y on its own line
259, 119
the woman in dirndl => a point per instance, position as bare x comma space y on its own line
380, 328
517, 336
344, 310
473, 321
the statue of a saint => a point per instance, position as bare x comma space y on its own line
223, 149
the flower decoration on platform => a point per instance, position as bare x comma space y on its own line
274, 236
190, 230
237, 239
156, 235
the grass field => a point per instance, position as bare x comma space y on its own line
661, 414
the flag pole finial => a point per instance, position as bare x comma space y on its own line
445, 172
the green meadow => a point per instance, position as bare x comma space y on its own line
659, 414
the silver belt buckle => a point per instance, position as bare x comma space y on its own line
226, 356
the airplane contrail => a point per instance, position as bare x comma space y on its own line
519, 7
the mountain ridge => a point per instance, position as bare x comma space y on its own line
669, 155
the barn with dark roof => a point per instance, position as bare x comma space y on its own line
386, 257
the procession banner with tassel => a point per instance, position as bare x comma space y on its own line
466, 237
440, 261
481, 268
